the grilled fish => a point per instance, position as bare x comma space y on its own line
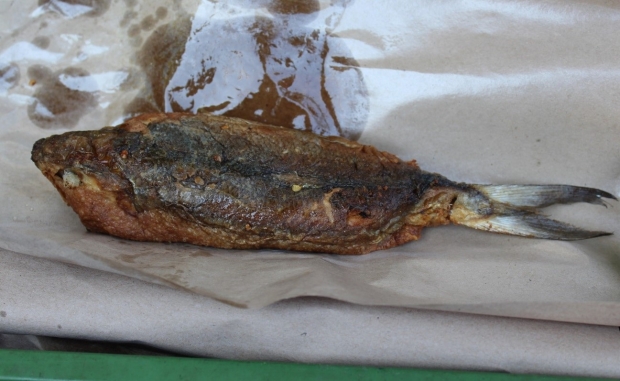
231, 183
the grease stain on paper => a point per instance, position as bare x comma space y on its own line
55, 104
283, 66
42, 42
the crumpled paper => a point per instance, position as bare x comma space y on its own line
482, 92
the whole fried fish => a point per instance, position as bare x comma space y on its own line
231, 183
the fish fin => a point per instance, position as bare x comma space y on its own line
511, 209
540, 196
534, 226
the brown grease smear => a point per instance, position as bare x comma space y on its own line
271, 70
157, 58
292, 7
127, 17
71, 8
148, 22
133, 30
55, 104
161, 13
42, 42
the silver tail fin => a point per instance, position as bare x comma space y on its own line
511, 209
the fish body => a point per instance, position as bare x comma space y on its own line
231, 183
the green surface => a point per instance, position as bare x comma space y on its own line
38, 365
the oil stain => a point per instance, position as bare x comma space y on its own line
148, 23
133, 31
127, 17
42, 42
158, 59
161, 13
275, 69
59, 100
2, 313
9, 76
75, 8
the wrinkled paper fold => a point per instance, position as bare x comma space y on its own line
491, 92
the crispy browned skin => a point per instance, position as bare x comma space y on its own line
231, 183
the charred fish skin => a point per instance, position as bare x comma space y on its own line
230, 183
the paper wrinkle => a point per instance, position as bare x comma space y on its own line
484, 92
309, 330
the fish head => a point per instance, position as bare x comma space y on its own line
80, 159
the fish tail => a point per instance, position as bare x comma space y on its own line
512, 209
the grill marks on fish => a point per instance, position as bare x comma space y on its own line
231, 183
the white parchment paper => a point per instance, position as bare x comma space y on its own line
484, 92
43, 297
